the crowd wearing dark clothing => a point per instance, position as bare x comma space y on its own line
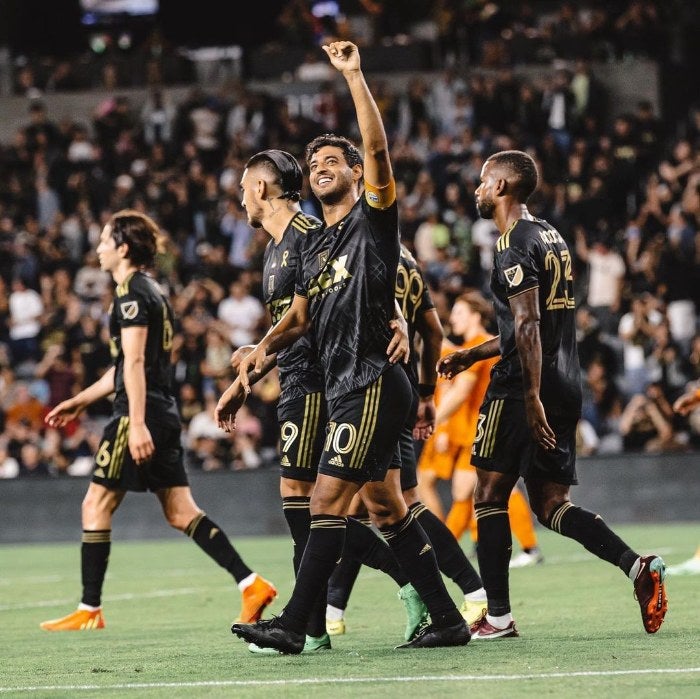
623, 189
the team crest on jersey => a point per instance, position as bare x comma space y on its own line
514, 275
129, 309
270, 283
322, 259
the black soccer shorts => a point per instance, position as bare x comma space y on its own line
504, 443
116, 470
302, 433
364, 427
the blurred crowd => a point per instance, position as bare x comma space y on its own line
623, 189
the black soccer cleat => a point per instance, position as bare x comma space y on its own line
269, 633
433, 637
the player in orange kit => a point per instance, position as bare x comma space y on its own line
449, 453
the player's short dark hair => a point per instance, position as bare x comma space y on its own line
522, 165
139, 231
351, 152
284, 167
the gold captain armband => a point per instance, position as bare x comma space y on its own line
381, 197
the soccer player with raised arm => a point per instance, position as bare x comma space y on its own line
527, 422
345, 294
271, 185
140, 448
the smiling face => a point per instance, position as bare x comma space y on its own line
330, 176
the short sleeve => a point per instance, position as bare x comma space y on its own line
517, 270
131, 310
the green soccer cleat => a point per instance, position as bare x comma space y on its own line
316, 643
416, 611
311, 645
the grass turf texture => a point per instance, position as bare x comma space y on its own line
169, 610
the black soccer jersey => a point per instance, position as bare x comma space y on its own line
348, 275
299, 370
532, 254
414, 298
139, 301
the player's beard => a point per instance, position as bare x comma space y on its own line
485, 208
336, 194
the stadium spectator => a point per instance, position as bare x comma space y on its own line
242, 315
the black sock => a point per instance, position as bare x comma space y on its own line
342, 581
296, 512
94, 556
215, 543
593, 534
415, 554
362, 544
495, 546
451, 558
322, 552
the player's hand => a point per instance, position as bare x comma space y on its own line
454, 363
141, 445
541, 432
425, 418
227, 407
344, 55
399, 348
63, 413
686, 403
253, 360
239, 354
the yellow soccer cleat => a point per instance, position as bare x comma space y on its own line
473, 611
335, 627
258, 595
79, 620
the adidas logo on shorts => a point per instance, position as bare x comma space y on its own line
284, 461
336, 461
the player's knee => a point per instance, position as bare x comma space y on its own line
178, 520
544, 511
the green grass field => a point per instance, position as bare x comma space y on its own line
169, 610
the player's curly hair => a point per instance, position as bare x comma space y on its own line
351, 152
524, 172
139, 231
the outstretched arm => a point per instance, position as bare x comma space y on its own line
69, 409
452, 364
526, 312
345, 57
687, 401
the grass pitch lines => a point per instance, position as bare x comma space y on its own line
356, 680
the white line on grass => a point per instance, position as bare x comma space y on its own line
356, 680
126, 597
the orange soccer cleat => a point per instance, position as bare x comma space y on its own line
258, 595
650, 592
79, 620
